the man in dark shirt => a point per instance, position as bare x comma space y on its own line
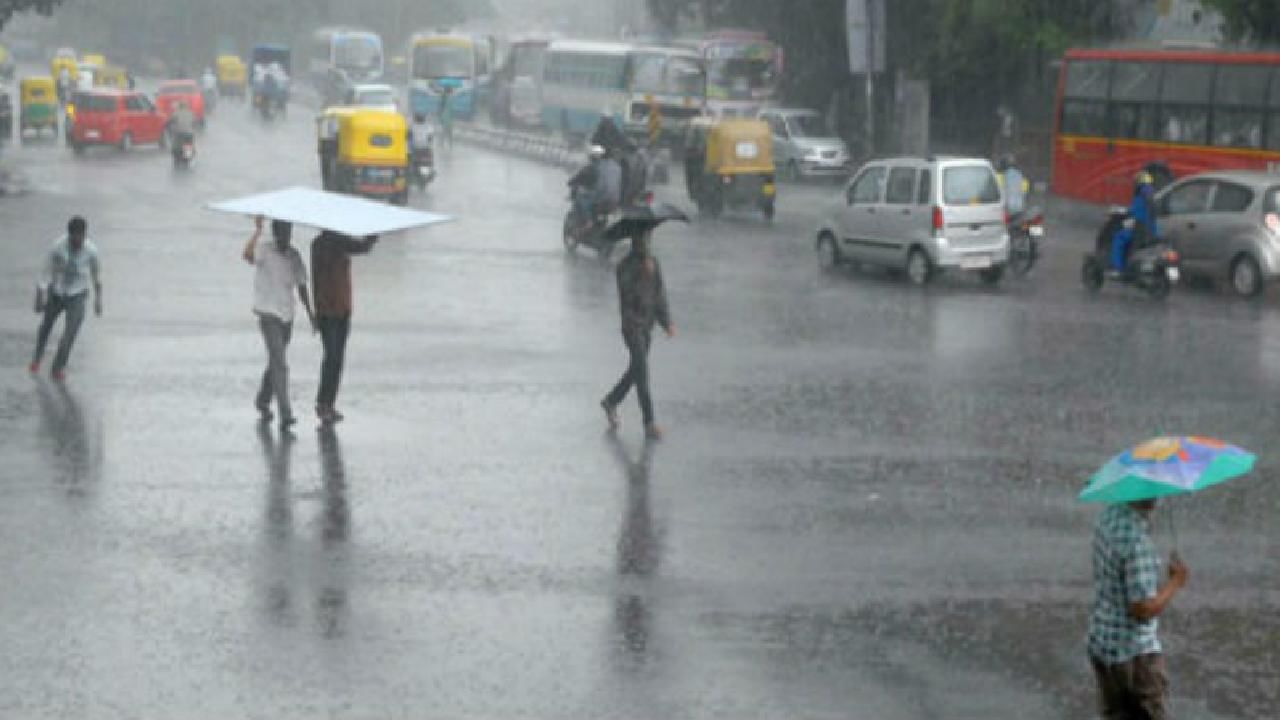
331, 282
643, 302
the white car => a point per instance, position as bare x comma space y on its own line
381, 97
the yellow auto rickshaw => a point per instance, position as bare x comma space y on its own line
64, 61
364, 152
111, 76
729, 163
232, 76
93, 60
38, 105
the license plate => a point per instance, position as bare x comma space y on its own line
1173, 274
91, 134
975, 262
1036, 231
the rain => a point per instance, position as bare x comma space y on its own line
639, 359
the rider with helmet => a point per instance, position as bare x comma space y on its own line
420, 141
1142, 212
597, 186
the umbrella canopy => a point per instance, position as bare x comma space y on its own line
640, 219
1166, 466
343, 214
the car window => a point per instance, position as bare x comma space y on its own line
1229, 197
135, 103
1273, 199
868, 188
902, 186
95, 103
924, 193
1193, 197
970, 185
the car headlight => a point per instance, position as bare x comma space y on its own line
813, 154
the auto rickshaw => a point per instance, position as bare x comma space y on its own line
38, 105
232, 76
65, 59
93, 60
111, 76
729, 163
365, 152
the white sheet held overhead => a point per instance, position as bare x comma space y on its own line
330, 211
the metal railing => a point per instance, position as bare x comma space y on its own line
533, 146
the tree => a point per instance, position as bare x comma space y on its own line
8, 8
1255, 20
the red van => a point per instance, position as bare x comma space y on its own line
176, 91
116, 117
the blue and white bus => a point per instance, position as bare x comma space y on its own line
357, 54
584, 81
453, 63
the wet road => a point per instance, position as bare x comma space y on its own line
864, 508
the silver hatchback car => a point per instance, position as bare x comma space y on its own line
923, 215
803, 145
1225, 226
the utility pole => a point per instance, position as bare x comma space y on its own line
871, 73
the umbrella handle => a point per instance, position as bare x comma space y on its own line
1173, 526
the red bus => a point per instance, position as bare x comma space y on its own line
1179, 112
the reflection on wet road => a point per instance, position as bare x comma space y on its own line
864, 508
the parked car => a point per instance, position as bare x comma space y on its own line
804, 145
1225, 226
114, 117
922, 215
175, 91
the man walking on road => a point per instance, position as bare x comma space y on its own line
331, 281
279, 272
643, 301
70, 267
1123, 646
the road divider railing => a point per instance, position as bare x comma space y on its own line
533, 146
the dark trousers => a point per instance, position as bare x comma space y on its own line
637, 374
333, 335
54, 306
1132, 690
275, 379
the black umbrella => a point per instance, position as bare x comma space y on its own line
635, 221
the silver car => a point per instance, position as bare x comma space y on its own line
804, 146
921, 215
1225, 226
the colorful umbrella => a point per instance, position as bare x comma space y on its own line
1166, 466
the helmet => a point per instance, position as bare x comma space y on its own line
596, 152
1144, 178
1005, 162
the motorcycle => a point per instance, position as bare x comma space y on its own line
1026, 230
1152, 264
590, 231
422, 168
183, 150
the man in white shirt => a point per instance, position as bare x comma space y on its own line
279, 272
69, 270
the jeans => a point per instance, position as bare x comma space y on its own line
1120, 248
54, 305
275, 380
637, 374
333, 335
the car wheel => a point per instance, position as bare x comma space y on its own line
1246, 277
828, 253
126, 142
919, 267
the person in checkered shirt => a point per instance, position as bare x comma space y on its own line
1124, 648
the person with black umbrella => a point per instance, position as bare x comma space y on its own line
643, 304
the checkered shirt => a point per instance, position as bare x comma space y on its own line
1125, 570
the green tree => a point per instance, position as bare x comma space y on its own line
8, 8
1255, 20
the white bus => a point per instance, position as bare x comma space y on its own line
584, 81
358, 54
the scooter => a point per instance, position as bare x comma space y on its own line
592, 231
1026, 230
422, 168
183, 150
1152, 264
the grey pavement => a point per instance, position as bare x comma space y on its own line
864, 507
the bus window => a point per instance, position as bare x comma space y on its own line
1088, 79
1238, 97
1084, 109
1184, 97
1084, 117
1134, 88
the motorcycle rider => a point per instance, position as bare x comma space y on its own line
420, 137
182, 127
209, 87
1015, 186
1143, 213
598, 184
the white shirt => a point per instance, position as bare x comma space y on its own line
66, 273
278, 276
420, 135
